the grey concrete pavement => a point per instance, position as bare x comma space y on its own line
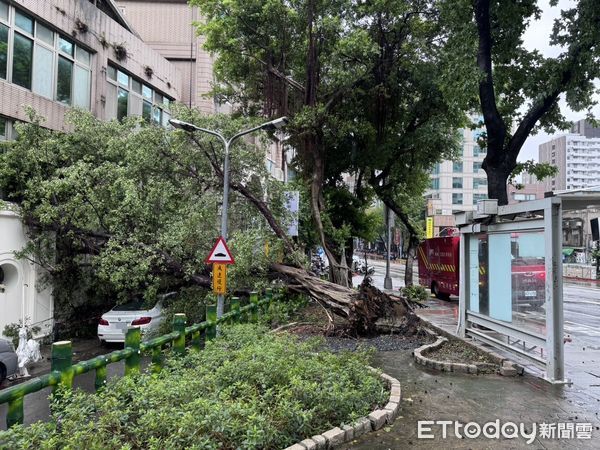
482, 399
428, 395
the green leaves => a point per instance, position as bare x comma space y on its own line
247, 389
123, 209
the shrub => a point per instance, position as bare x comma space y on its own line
415, 293
191, 301
247, 389
11, 331
284, 310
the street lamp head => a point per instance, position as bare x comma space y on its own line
276, 124
180, 124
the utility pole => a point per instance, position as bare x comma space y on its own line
387, 281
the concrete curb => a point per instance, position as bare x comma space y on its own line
502, 365
374, 421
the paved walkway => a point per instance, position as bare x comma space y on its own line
429, 395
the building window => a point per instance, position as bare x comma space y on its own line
3, 124
39, 59
435, 183
457, 183
4, 11
479, 182
7, 130
478, 151
128, 96
457, 167
22, 60
523, 197
457, 199
476, 167
478, 197
3, 49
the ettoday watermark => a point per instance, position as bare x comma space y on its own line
431, 429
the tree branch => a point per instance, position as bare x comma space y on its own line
494, 123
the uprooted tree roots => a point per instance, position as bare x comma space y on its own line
364, 309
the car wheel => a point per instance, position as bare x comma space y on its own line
435, 290
2, 373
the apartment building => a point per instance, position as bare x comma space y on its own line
56, 55
577, 158
457, 185
168, 27
59, 54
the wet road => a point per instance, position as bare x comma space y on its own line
427, 395
581, 303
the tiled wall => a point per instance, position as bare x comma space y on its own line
62, 15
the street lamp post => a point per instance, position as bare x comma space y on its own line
190, 128
387, 281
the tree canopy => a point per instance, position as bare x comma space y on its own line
518, 89
363, 83
128, 208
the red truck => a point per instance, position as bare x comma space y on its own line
438, 260
438, 265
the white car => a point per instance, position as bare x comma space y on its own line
113, 324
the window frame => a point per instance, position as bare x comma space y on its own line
56, 53
147, 95
7, 22
9, 129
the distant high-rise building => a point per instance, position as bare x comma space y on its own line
458, 185
577, 158
584, 128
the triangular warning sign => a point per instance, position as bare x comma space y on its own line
220, 253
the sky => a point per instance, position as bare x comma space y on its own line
537, 37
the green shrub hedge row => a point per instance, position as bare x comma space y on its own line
247, 389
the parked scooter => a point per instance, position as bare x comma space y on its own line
361, 267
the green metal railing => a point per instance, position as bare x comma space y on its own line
63, 371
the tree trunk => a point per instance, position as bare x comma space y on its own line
363, 309
497, 181
314, 148
413, 243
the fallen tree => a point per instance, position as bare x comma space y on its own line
363, 309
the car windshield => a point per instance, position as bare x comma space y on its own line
133, 306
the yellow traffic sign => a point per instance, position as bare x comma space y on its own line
429, 228
219, 278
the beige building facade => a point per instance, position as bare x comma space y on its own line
59, 54
167, 26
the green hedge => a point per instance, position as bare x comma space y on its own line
247, 389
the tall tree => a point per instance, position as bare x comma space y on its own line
407, 122
519, 89
361, 81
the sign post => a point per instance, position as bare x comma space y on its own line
220, 257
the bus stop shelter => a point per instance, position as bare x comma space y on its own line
511, 290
